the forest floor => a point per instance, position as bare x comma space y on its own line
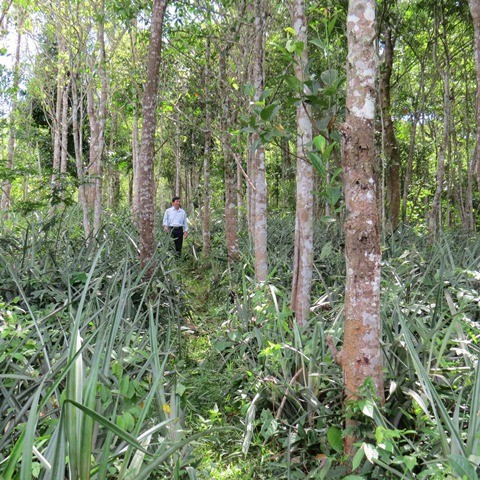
209, 377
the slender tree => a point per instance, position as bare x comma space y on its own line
77, 121
258, 175
177, 187
146, 180
229, 163
361, 355
7, 184
390, 144
475, 12
303, 250
57, 117
207, 193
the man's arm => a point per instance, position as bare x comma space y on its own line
185, 226
165, 221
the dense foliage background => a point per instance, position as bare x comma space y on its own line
190, 368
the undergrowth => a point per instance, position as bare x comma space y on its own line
199, 373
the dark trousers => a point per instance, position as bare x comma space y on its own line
177, 236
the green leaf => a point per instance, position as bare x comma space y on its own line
15, 455
333, 195
329, 76
334, 437
326, 251
370, 452
290, 45
221, 346
357, 459
436, 403
317, 163
78, 277
268, 113
331, 24
328, 151
473, 437
124, 385
410, 462
317, 42
294, 83
110, 426
180, 389
367, 408
26, 468
269, 425
462, 467
299, 46
320, 142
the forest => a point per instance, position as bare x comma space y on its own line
322, 319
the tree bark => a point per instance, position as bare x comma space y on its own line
361, 356
391, 150
207, 193
102, 118
229, 164
57, 119
135, 167
135, 132
303, 249
258, 175
240, 187
475, 12
7, 184
64, 135
77, 121
177, 189
146, 183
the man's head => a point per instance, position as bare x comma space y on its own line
176, 202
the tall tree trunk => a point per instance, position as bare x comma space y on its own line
361, 355
146, 179
102, 118
77, 121
229, 165
475, 12
303, 250
135, 167
64, 135
133, 187
469, 218
57, 120
240, 187
258, 175
177, 190
390, 143
250, 189
413, 138
435, 216
7, 184
207, 193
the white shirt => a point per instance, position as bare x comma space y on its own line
175, 218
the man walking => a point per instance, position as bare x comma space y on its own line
175, 223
